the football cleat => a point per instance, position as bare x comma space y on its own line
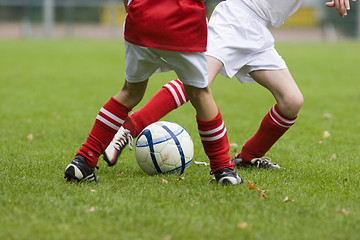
263, 162
78, 171
225, 176
113, 151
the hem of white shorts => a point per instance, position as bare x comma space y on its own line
246, 78
136, 80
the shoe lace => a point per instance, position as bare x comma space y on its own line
264, 162
123, 137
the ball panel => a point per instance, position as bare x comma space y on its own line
164, 147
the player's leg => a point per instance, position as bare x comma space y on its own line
212, 128
109, 119
191, 68
284, 89
277, 121
131, 93
213, 135
172, 93
113, 114
214, 66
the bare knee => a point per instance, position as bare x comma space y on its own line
290, 105
197, 95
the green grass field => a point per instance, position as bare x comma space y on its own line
51, 92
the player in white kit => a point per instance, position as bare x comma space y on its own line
246, 50
239, 44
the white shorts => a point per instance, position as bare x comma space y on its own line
246, 46
142, 62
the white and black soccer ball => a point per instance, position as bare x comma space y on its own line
164, 147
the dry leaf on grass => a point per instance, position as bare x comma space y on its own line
262, 195
242, 225
287, 199
252, 186
93, 190
326, 116
168, 237
346, 212
326, 134
333, 157
193, 204
30, 137
234, 148
180, 178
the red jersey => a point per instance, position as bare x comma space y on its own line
174, 25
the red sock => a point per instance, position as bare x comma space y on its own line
272, 127
215, 142
108, 121
171, 96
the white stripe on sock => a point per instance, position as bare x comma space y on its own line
274, 119
213, 130
290, 122
180, 90
214, 138
112, 116
113, 126
176, 98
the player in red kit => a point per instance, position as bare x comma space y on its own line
241, 45
167, 35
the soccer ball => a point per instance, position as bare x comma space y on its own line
164, 147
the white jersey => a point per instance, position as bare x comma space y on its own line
274, 12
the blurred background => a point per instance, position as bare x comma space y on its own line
104, 19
